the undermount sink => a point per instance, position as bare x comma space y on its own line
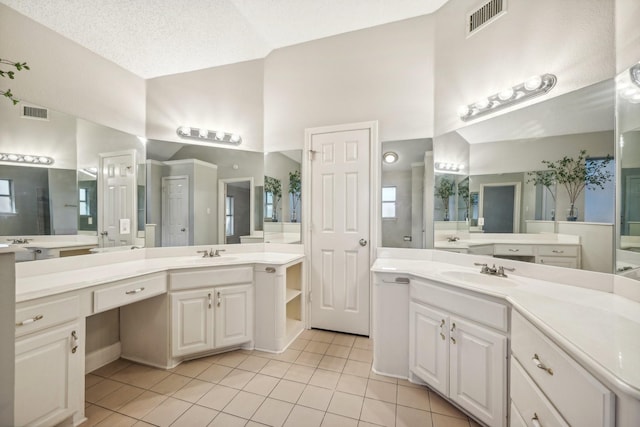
478, 278
212, 260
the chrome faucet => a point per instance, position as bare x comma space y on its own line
19, 241
452, 239
493, 271
211, 253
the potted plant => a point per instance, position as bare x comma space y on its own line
444, 190
576, 174
273, 186
294, 189
545, 178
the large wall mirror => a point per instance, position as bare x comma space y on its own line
506, 195
281, 194
58, 183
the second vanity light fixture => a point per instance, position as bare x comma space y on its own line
449, 167
26, 158
535, 86
209, 135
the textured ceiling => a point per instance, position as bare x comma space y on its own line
158, 37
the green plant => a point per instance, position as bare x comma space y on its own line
19, 66
545, 178
295, 186
444, 190
463, 193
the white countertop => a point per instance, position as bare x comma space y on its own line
523, 239
600, 329
52, 283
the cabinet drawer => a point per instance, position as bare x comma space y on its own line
558, 261
127, 291
579, 397
35, 317
515, 250
210, 277
471, 307
529, 402
550, 250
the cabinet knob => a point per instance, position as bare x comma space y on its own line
536, 361
209, 297
453, 328
270, 269
219, 301
74, 341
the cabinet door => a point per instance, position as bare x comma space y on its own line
429, 346
234, 315
478, 371
191, 321
48, 372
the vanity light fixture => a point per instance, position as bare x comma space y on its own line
634, 71
26, 158
209, 135
449, 167
536, 85
629, 85
390, 157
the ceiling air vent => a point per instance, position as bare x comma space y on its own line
488, 12
38, 113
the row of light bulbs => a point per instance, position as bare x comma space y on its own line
26, 158
449, 167
629, 89
211, 135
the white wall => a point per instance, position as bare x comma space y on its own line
94, 139
69, 78
627, 17
572, 39
383, 73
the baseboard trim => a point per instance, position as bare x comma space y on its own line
99, 358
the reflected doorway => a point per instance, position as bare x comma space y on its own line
235, 205
175, 211
500, 207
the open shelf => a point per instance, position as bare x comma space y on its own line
291, 294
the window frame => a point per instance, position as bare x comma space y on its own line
393, 202
229, 225
11, 195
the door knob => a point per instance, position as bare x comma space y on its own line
183, 229
363, 242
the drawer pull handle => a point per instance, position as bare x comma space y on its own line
535, 421
270, 269
74, 342
134, 291
397, 281
209, 297
219, 301
442, 326
453, 328
514, 250
556, 251
33, 319
536, 361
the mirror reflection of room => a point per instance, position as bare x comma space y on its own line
282, 197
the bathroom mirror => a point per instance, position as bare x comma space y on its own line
200, 195
281, 197
403, 192
506, 151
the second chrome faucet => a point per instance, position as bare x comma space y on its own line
493, 271
211, 253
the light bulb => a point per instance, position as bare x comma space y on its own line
482, 103
390, 157
12, 157
203, 133
219, 135
506, 94
185, 131
460, 166
235, 138
44, 160
463, 111
533, 83
28, 159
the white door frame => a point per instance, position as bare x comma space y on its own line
222, 187
516, 200
375, 183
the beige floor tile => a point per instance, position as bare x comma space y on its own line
218, 397
212, 359
378, 412
289, 355
364, 343
323, 336
386, 379
333, 420
215, 373
440, 420
410, 417
94, 415
299, 344
344, 339
91, 380
171, 384
166, 413
261, 384
352, 384
111, 368
338, 351
100, 390
255, 424
275, 368
307, 334
309, 359
366, 424
226, 420
325, 379
142, 405
196, 416
244, 404
380, 390
316, 347
263, 354
331, 363
192, 368
303, 416
299, 373
441, 406
253, 363
232, 359
361, 355
272, 412
347, 405
237, 378
117, 420
286, 390
120, 397
143, 424
140, 376
417, 398
315, 397
193, 390
407, 383
472, 423
360, 369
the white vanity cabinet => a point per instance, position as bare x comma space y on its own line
458, 346
49, 361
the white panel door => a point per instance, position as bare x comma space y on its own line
175, 211
191, 321
234, 315
429, 346
340, 231
478, 371
118, 177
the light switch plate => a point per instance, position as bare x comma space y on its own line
125, 226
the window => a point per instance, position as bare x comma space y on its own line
7, 196
83, 198
229, 228
268, 204
389, 202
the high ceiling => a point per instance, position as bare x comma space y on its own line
158, 37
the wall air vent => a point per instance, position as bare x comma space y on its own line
488, 12
38, 113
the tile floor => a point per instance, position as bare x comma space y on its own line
323, 379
